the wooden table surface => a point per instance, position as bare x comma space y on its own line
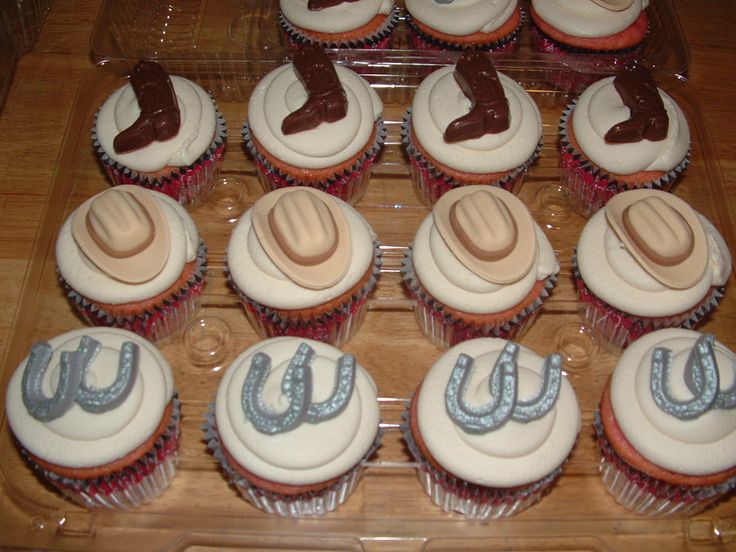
40, 100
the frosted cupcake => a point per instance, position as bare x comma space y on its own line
338, 23
160, 132
479, 266
293, 422
95, 413
622, 133
467, 125
464, 24
304, 264
132, 258
491, 426
313, 123
667, 424
648, 261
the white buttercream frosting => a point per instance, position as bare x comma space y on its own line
452, 283
615, 277
80, 439
585, 18
281, 92
462, 17
87, 280
256, 275
197, 129
341, 18
699, 446
309, 453
600, 107
516, 453
439, 100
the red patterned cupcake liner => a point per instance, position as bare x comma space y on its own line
589, 187
643, 494
430, 183
350, 185
187, 185
132, 486
445, 330
379, 40
618, 329
158, 323
336, 327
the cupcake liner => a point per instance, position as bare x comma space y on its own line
349, 185
589, 187
187, 185
643, 494
132, 486
155, 324
618, 329
430, 183
445, 330
335, 327
314, 503
379, 40
473, 501
419, 40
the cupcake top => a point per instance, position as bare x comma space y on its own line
496, 414
589, 18
301, 90
162, 121
462, 17
125, 244
672, 394
333, 16
470, 89
661, 261
480, 251
299, 247
296, 411
608, 103
88, 397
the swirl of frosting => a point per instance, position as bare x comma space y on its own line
600, 107
517, 453
439, 100
613, 274
462, 17
88, 280
281, 92
341, 18
80, 438
197, 128
311, 452
585, 18
256, 275
698, 446
448, 280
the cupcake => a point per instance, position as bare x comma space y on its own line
589, 36
479, 266
313, 123
491, 425
304, 263
469, 124
132, 258
160, 132
648, 261
667, 424
622, 133
464, 24
293, 422
95, 413
338, 23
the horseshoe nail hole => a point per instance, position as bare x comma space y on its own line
577, 344
226, 196
206, 340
